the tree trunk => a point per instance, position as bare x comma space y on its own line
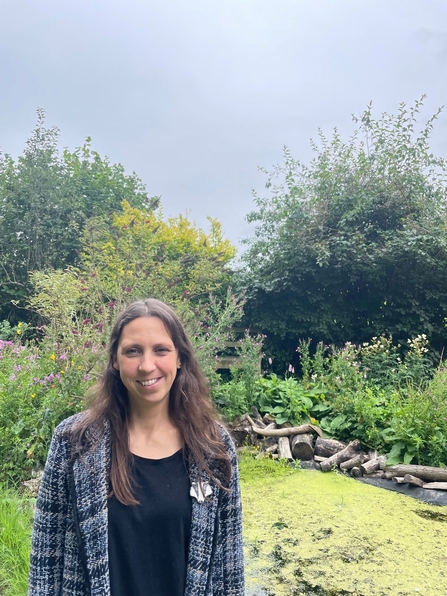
302, 447
428, 473
355, 461
377, 474
373, 464
347, 453
409, 479
435, 485
328, 447
284, 448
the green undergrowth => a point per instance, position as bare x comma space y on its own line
253, 465
15, 533
316, 534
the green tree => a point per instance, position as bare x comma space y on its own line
45, 200
354, 244
136, 254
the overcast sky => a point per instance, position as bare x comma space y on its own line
194, 95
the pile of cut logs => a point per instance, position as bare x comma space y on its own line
307, 444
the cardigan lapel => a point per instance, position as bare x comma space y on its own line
90, 487
201, 545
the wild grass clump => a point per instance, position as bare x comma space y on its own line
254, 466
15, 537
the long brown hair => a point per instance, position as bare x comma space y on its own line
190, 407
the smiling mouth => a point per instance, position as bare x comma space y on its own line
148, 383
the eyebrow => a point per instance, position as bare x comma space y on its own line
167, 345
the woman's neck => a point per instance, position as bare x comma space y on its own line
154, 436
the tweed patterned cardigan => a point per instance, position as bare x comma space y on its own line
69, 555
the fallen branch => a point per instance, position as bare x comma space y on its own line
427, 473
284, 432
344, 455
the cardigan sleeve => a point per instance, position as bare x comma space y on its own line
50, 521
230, 531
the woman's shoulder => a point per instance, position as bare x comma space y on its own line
70, 422
79, 424
67, 426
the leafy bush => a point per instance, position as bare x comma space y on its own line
39, 387
354, 242
417, 430
286, 400
370, 392
232, 399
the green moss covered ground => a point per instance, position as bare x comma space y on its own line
328, 535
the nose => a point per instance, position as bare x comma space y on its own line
147, 362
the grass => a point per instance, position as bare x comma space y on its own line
15, 532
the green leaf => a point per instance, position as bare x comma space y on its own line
281, 419
393, 457
408, 457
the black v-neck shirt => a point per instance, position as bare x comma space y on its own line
148, 543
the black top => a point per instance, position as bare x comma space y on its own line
148, 543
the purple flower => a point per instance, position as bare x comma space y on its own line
86, 321
63, 357
4, 343
111, 305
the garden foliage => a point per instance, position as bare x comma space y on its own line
397, 405
46, 198
351, 246
44, 378
354, 244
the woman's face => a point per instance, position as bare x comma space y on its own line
147, 361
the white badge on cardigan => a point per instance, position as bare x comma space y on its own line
200, 492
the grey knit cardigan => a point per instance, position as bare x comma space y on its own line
69, 555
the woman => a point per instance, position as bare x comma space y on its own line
140, 494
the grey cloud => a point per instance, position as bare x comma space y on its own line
195, 95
